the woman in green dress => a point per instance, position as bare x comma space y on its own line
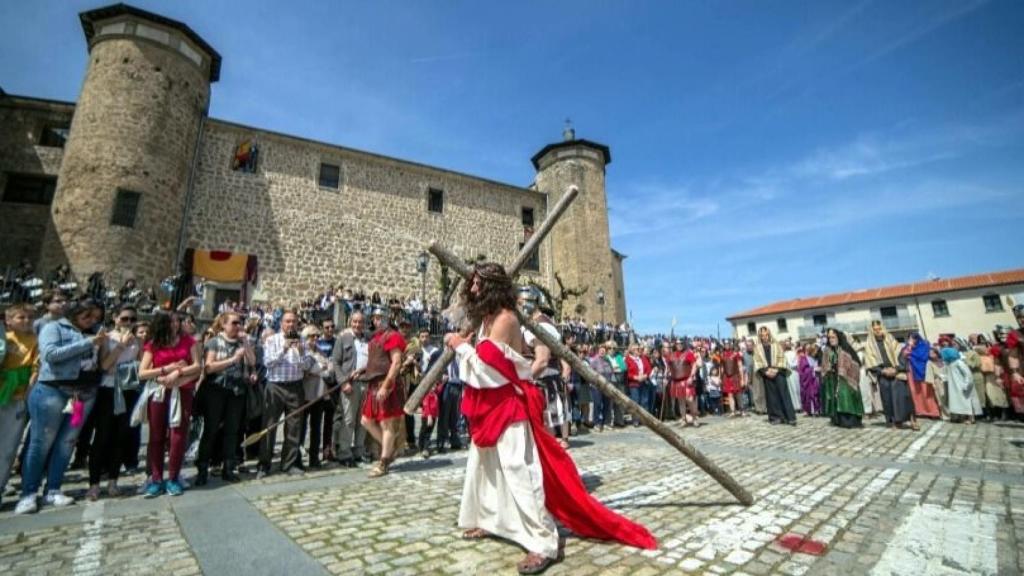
840, 384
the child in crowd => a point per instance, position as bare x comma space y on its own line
18, 371
431, 409
715, 392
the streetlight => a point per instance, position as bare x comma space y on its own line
421, 266
600, 302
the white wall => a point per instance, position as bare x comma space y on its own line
967, 313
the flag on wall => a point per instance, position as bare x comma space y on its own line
221, 266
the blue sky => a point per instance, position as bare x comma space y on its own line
762, 150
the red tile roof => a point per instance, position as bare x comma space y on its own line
888, 292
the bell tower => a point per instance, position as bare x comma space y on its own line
581, 252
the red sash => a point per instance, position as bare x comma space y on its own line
565, 496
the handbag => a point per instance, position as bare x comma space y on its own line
253, 401
126, 377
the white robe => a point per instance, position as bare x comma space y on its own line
961, 395
504, 488
793, 379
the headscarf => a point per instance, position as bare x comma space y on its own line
844, 343
950, 355
918, 357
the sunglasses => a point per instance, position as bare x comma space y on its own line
235, 323
127, 319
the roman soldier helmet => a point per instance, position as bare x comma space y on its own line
531, 298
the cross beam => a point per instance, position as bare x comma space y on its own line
590, 375
433, 376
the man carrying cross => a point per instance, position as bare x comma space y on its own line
518, 478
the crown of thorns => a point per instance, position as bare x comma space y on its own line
490, 271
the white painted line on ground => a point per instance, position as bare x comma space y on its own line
941, 542
89, 556
918, 444
737, 536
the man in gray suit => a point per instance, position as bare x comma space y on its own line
349, 358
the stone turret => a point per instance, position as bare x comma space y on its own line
123, 182
581, 253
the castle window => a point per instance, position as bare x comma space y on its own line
993, 303
939, 308
330, 175
126, 207
533, 262
435, 200
527, 217
26, 189
54, 136
246, 156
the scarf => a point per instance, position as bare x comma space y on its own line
917, 357
847, 367
950, 355
873, 356
778, 357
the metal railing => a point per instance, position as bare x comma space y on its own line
898, 323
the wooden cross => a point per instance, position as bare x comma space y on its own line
563, 352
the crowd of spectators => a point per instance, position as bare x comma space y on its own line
94, 374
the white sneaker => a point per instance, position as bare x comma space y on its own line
59, 500
26, 505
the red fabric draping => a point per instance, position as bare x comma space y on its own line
565, 496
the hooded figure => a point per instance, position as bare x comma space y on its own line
962, 397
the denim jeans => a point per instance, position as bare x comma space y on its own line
652, 392
52, 435
638, 394
602, 407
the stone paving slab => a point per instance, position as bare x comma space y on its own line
879, 501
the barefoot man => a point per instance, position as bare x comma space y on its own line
518, 478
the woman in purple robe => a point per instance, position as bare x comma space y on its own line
810, 385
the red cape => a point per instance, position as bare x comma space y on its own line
565, 496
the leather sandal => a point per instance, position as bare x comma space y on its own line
381, 469
476, 534
537, 564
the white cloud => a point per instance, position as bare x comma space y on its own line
657, 208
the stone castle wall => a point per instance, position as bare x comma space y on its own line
22, 121
134, 128
366, 234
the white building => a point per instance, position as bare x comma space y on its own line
961, 306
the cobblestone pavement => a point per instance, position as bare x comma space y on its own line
946, 500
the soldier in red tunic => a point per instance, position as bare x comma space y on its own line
732, 379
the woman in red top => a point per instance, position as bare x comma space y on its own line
382, 410
171, 357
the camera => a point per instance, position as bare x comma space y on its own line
293, 335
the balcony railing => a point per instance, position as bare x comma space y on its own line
898, 323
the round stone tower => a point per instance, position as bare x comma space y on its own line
123, 182
581, 252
